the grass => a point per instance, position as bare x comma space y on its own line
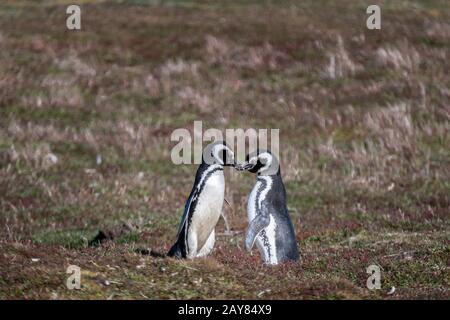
364, 131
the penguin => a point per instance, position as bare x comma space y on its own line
269, 223
203, 208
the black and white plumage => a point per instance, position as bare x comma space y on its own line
203, 208
269, 223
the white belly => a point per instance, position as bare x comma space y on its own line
209, 208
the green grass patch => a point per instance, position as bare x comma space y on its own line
72, 239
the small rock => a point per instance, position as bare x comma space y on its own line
263, 292
51, 158
391, 292
140, 176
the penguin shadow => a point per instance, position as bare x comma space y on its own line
151, 253
117, 233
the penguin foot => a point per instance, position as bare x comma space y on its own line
175, 252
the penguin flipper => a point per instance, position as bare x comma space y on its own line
260, 222
187, 210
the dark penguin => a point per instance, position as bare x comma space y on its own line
269, 222
203, 208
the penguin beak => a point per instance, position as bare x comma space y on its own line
244, 166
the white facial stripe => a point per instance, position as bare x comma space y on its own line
268, 161
220, 148
253, 160
216, 151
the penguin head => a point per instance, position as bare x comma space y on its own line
218, 153
262, 162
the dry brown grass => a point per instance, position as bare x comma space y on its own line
86, 119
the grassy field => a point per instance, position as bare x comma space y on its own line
364, 119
